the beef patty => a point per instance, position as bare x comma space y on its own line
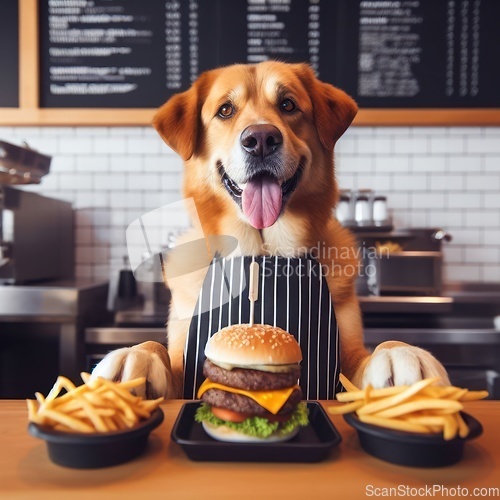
244, 404
250, 380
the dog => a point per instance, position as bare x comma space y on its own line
257, 143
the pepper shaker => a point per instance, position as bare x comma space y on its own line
343, 211
380, 210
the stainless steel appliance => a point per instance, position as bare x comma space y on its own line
407, 272
460, 328
36, 237
42, 326
36, 232
21, 164
43, 311
402, 262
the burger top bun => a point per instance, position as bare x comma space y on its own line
247, 345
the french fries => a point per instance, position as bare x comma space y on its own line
95, 406
387, 247
422, 407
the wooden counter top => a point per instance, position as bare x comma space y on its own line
165, 471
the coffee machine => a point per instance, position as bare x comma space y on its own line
36, 232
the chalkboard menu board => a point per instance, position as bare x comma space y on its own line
420, 53
385, 53
129, 54
9, 54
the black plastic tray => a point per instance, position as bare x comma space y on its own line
312, 443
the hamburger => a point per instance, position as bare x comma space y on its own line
250, 393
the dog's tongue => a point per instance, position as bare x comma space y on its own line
261, 201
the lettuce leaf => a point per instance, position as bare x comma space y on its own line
257, 426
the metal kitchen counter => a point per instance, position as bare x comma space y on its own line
71, 305
458, 328
405, 304
454, 297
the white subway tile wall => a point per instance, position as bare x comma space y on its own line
446, 177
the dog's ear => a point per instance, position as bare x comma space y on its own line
177, 123
334, 110
178, 120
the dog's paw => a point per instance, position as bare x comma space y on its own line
149, 359
397, 363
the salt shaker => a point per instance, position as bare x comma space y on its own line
362, 211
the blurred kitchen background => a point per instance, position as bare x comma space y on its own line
79, 164
445, 177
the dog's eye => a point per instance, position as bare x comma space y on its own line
225, 111
288, 105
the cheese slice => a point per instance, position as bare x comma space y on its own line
272, 401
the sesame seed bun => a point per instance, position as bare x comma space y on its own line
250, 345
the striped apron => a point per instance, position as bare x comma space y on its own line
293, 295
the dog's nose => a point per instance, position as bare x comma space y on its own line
261, 140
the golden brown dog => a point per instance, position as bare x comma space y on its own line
257, 142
